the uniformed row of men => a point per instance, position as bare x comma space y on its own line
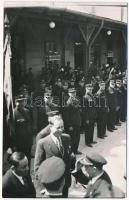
81, 108
58, 126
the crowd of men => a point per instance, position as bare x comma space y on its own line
62, 105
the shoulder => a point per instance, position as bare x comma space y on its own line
7, 178
43, 141
66, 137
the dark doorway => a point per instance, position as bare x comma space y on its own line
78, 55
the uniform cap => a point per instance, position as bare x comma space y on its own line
101, 83
42, 81
94, 159
51, 173
53, 113
20, 97
48, 94
118, 81
71, 90
112, 81
82, 79
89, 86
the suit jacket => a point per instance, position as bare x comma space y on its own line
13, 188
102, 188
46, 148
43, 133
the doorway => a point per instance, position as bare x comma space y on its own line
78, 55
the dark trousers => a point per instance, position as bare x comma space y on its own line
75, 137
111, 119
65, 191
101, 124
118, 112
89, 132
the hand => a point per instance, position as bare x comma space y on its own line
71, 128
87, 121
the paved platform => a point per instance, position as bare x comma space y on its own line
113, 148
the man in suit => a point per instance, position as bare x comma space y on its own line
17, 182
55, 144
99, 184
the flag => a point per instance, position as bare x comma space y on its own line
8, 81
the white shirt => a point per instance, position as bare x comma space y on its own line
56, 141
19, 177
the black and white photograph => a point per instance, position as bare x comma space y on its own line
64, 99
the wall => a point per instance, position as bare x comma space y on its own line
36, 35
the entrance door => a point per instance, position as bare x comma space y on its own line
78, 55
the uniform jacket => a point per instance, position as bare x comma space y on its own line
46, 148
112, 98
41, 117
23, 130
71, 113
89, 108
102, 188
119, 96
102, 101
13, 188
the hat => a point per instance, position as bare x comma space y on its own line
107, 65
94, 159
51, 173
82, 79
118, 81
20, 97
71, 90
53, 113
101, 83
42, 81
112, 81
89, 86
48, 94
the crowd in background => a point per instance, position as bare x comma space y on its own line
80, 100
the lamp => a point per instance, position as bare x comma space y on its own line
52, 25
109, 32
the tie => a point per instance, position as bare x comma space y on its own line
59, 144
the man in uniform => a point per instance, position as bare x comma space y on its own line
80, 95
89, 115
124, 100
102, 110
112, 102
55, 144
23, 135
119, 102
52, 177
72, 119
99, 184
44, 106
